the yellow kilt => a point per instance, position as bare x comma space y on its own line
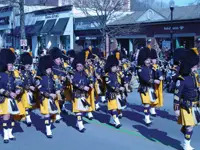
22, 111
146, 99
21, 108
185, 118
91, 100
96, 89
75, 105
44, 108
68, 93
112, 104
25, 101
159, 94
4, 108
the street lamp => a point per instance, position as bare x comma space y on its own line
171, 30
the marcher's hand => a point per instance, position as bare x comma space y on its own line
122, 89
13, 95
161, 78
32, 88
177, 113
58, 92
63, 78
53, 95
91, 86
18, 91
98, 77
86, 88
157, 81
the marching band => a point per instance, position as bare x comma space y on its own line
87, 78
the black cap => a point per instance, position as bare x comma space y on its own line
45, 62
111, 61
55, 53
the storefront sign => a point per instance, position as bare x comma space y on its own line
174, 28
87, 23
90, 38
52, 16
23, 42
4, 21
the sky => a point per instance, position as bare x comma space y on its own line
181, 2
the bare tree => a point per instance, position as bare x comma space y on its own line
105, 11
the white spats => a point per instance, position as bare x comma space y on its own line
153, 111
28, 120
103, 99
10, 135
90, 115
116, 121
147, 119
186, 145
5, 135
97, 106
48, 131
58, 118
80, 126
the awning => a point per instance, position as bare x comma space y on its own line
48, 26
37, 27
60, 26
28, 30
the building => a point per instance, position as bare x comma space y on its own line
47, 28
157, 25
6, 25
48, 2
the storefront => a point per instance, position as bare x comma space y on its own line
49, 28
157, 26
87, 31
6, 26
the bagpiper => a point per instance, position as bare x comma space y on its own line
186, 96
67, 86
147, 83
49, 106
59, 75
9, 90
122, 79
175, 68
158, 86
81, 89
27, 76
90, 71
114, 88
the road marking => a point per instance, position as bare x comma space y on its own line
122, 130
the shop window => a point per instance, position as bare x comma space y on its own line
65, 42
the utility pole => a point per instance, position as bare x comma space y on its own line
22, 21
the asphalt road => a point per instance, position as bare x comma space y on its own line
164, 134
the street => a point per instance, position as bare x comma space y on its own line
164, 134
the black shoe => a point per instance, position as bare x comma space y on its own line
57, 121
13, 139
118, 126
49, 136
148, 124
98, 109
154, 115
28, 124
120, 117
82, 131
91, 118
6, 141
